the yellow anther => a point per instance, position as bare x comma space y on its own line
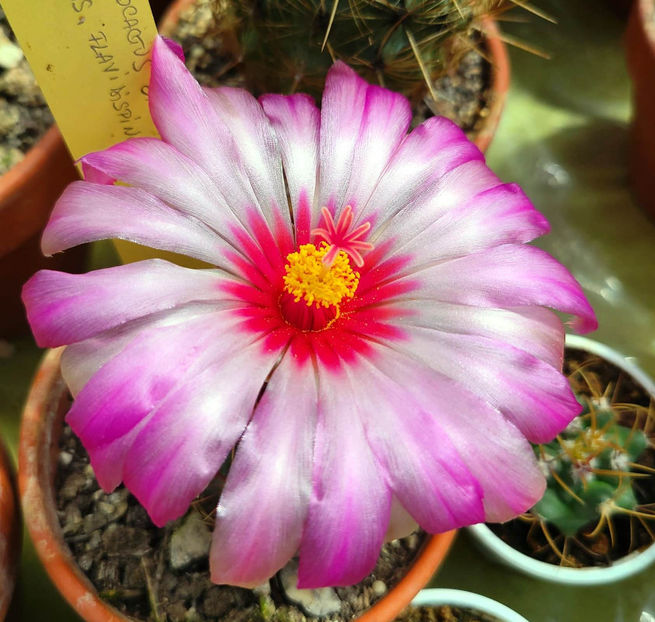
309, 279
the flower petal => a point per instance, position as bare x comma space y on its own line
115, 403
65, 308
269, 482
420, 463
499, 215
361, 127
83, 359
87, 212
190, 434
350, 504
533, 329
257, 147
186, 119
435, 167
534, 396
504, 277
161, 170
296, 121
494, 451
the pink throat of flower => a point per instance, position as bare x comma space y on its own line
339, 237
307, 318
319, 277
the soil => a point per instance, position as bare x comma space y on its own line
24, 115
462, 96
445, 613
212, 56
630, 533
129, 560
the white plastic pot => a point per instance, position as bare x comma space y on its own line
466, 600
627, 566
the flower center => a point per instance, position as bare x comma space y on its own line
310, 279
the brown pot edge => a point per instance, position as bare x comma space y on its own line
35, 483
44, 161
500, 81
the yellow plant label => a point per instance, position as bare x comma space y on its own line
91, 59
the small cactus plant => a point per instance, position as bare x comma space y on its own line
591, 469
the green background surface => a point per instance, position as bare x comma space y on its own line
563, 137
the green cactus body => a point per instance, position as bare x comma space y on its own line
589, 469
403, 45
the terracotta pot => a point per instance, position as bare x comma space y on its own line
631, 564
500, 69
10, 531
27, 193
640, 55
500, 78
40, 431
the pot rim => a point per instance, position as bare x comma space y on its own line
500, 80
36, 476
29, 189
461, 598
24, 171
620, 569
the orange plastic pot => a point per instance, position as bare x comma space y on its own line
640, 56
40, 430
498, 57
10, 531
27, 193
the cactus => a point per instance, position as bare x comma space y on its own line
590, 469
402, 45
284, 46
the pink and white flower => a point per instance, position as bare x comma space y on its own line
373, 334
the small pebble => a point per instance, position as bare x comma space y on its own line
72, 520
190, 542
107, 571
122, 540
10, 54
92, 522
411, 541
106, 508
85, 561
94, 541
379, 587
74, 483
318, 602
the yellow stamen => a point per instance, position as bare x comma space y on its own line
308, 278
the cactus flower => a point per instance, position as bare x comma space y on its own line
372, 334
